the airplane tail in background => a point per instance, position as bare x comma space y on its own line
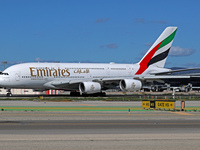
158, 52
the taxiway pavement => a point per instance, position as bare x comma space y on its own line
90, 130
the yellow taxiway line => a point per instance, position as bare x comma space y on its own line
182, 113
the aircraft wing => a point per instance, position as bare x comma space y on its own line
113, 79
174, 71
164, 77
74, 84
172, 79
64, 84
183, 75
160, 75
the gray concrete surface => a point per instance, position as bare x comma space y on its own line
135, 115
97, 130
101, 142
82, 103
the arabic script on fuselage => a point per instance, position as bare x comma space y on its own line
54, 72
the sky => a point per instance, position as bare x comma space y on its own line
99, 31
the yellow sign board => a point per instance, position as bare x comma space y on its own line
165, 105
158, 104
146, 104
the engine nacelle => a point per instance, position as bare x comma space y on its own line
89, 87
130, 85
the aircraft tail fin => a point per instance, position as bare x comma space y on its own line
158, 52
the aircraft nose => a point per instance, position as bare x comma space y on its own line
1, 78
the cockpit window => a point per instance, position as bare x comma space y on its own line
3, 73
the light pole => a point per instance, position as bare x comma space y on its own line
4, 62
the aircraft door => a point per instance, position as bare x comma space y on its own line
128, 68
88, 74
107, 68
17, 76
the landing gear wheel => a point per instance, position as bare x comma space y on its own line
74, 93
102, 94
9, 94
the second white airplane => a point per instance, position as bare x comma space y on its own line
90, 78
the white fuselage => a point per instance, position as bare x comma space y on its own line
42, 75
35, 75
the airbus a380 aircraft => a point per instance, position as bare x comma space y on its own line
90, 78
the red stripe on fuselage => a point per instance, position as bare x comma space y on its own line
145, 61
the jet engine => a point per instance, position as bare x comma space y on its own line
89, 87
130, 85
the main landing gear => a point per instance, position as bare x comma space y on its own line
75, 93
9, 94
101, 94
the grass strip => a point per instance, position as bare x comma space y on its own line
70, 108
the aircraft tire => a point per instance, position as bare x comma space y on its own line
74, 93
8, 94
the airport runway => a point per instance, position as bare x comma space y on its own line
98, 130
40, 127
